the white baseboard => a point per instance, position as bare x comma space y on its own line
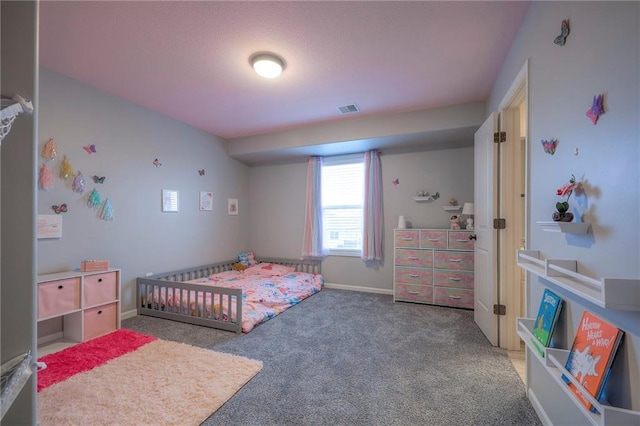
50, 338
129, 314
358, 288
538, 409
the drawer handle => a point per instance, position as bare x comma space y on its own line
413, 258
99, 312
433, 239
60, 287
455, 260
99, 280
414, 292
407, 239
462, 241
414, 275
454, 279
455, 297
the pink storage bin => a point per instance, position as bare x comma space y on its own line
100, 320
99, 288
58, 297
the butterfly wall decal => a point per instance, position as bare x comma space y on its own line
201, 172
597, 109
97, 179
549, 145
62, 208
562, 38
157, 163
91, 149
396, 182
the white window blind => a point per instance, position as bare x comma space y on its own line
342, 201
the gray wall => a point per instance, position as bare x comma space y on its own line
19, 76
601, 56
128, 138
278, 203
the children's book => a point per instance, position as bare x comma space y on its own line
548, 314
591, 356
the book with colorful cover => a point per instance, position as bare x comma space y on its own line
546, 320
591, 356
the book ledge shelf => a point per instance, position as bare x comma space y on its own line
554, 361
427, 198
566, 227
452, 209
608, 293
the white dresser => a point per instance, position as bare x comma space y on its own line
433, 266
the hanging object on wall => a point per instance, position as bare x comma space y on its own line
62, 208
45, 180
201, 172
10, 108
66, 170
562, 38
91, 149
597, 109
396, 182
78, 183
157, 163
98, 179
50, 150
94, 199
549, 146
107, 211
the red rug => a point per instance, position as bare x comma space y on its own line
88, 355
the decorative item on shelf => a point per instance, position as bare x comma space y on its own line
94, 265
453, 202
562, 215
402, 223
455, 222
467, 210
426, 196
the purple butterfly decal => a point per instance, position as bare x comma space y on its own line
62, 208
562, 38
597, 109
201, 172
549, 146
157, 163
91, 149
396, 182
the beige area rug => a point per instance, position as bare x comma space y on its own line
160, 383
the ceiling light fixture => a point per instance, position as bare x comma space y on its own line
267, 65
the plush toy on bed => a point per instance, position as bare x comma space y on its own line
238, 267
247, 258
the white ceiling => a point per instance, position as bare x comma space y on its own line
190, 60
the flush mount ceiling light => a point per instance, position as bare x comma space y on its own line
267, 65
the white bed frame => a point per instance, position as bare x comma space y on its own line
173, 282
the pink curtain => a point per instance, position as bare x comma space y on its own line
372, 208
312, 242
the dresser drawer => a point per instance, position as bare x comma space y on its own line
449, 278
456, 297
58, 297
100, 288
418, 258
460, 240
100, 320
433, 239
407, 239
454, 260
414, 293
413, 275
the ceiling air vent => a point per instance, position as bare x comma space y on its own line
348, 109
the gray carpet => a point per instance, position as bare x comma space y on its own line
349, 358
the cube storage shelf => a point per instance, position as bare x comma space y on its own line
554, 361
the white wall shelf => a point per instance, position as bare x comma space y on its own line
565, 227
422, 199
608, 293
452, 209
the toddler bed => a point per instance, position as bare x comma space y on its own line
219, 297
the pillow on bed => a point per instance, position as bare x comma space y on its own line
269, 270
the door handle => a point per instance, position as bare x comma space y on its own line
472, 237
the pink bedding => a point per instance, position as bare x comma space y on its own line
266, 292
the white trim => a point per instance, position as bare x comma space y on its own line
519, 85
539, 409
129, 314
50, 338
360, 289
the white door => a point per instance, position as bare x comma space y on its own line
485, 192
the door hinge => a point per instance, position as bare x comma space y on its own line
499, 223
499, 137
499, 309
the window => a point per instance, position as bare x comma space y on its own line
342, 203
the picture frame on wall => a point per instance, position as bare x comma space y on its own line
232, 206
170, 201
206, 201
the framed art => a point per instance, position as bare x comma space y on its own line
206, 201
49, 226
232, 206
170, 200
